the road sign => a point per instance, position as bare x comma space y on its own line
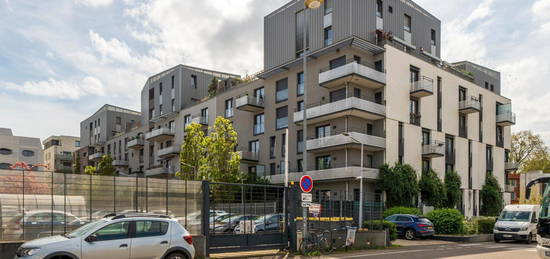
315, 209
306, 204
307, 197
306, 183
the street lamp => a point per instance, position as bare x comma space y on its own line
360, 180
313, 4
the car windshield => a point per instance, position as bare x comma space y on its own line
82, 230
521, 216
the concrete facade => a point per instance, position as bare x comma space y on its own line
59, 153
15, 149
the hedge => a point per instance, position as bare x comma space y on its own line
447, 221
401, 210
485, 226
382, 224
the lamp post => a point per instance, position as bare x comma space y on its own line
360, 180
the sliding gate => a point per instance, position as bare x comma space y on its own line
240, 217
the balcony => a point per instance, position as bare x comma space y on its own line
95, 157
511, 166
352, 72
160, 134
120, 163
422, 88
98, 143
156, 170
415, 119
470, 105
339, 140
249, 103
199, 119
136, 143
169, 152
249, 156
64, 157
433, 149
506, 118
352, 106
351, 172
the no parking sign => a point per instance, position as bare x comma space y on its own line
306, 183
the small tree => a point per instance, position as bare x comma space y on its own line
76, 166
192, 151
90, 169
105, 166
491, 197
432, 190
452, 187
400, 184
213, 87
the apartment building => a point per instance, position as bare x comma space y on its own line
375, 82
15, 149
59, 152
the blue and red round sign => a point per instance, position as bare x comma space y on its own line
306, 183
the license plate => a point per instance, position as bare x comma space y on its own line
507, 235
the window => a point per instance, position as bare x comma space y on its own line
272, 147
194, 81
379, 66
300, 24
160, 89
114, 231
379, 9
323, 162
282, 90
171, 126
486, 85
357, 92
337, 95
282, 166
481, 119
426, 165
229, 108
433, 37
300, 84
492, 87
172, 82
27, 153
300, 141
272, 168
390, 9
300, 164
173, 105
401, 146
489, 158
500, 136
328, 6
283, 145
300, 106
5, 151
414, 74
328, 35
378, 98
150, 228
5, 166
415, 112
118, 120
77, 143
259, 93
186, 120
439, 104
407, 23
151, 94
204, 114
370, 129
462, 124
337, 62
259, 124
461, 94
151, 113
322, 131
425, 137
449, 153
282, 117
254, 146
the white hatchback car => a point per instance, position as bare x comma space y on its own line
116, 237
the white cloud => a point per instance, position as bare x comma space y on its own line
60, 89
541, 10
94, 3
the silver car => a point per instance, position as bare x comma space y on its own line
116, 237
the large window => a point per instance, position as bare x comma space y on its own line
300, 23
254, 146
323, 162
337, 62
433, 38
229, 108
300, 106
414, 107
259, 93
282, 117
282, 90
328, 35
322, 131
259, 124
300, 84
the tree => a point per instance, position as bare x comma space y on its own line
400, 184
105, 166
526, 146
539, 161
213, 87
432, 190
222, 163
491, 197
452, 188
192, 151
76, 166
90, 169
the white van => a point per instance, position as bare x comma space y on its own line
517, 222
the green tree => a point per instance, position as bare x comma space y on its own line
105, 166
192, 151
432, 190
539, 161
213, 87
401, 185
526, 146
452, 188
90, 169
76, 165
491, 197
221, 163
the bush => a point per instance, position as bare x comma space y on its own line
382, 224
447, 221
452, 187
491, 198
432, 189
401, 210
485, 226
470, 227
400, 184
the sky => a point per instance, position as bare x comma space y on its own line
61, 60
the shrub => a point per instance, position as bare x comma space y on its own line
491, 197
485, 226
452, 187
470, 227
432, 189
401, 210
400, 184
447, 221
382, 224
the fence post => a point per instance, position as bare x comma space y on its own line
114, 193
205, 224
65, 202
51, 190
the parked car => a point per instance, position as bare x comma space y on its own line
412, 226
271, 222
40, 223
517, 222
120, 236
228, 223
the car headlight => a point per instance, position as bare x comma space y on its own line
23, 252
524, 228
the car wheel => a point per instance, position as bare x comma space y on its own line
176, 255
529, 239
410, 234
497, 240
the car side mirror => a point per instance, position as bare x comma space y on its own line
91, 238
535, 221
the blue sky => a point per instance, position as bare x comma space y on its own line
61, 60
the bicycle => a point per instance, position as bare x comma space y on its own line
315, 242
336, 238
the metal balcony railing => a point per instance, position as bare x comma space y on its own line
470, 105
317, 110
433, 149
249, 103
160, 132
339, 138
351, 70
422, 87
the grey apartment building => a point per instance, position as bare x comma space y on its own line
375, 79
14, 149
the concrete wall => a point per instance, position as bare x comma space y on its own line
16, 145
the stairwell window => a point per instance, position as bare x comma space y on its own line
194, 81
407, 23
328, 36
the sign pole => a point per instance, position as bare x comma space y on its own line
306, 184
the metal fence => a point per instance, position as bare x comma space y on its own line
39, 204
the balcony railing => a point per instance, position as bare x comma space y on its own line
202, 120
64, 157
361, 73
323, 111
511, 166
249, 103
470, 105
506, 119
339, 139
136, 143
95, 156
120, 163
433, 149
169, 152
330, 173
423, 87
160, 134
249, 156
156, 170
415, 119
